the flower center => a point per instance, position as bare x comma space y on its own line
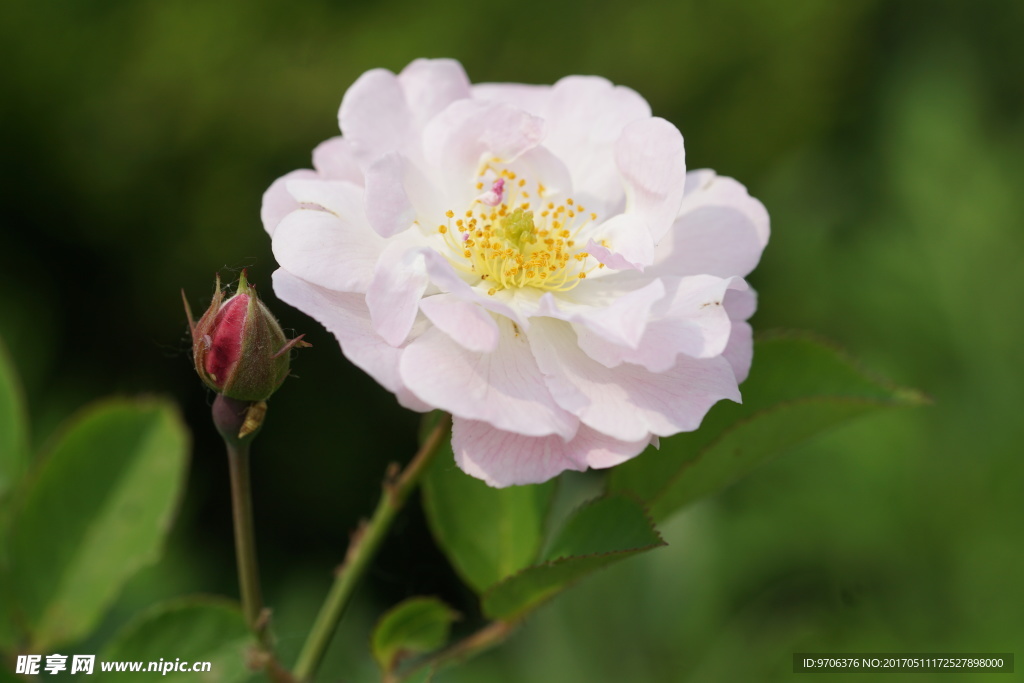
505, 240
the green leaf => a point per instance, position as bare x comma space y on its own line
190, 630
414, 626
14, 462
13, 427
598, 534
798, 387
97, 512
487, 533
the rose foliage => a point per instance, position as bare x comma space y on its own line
535, 260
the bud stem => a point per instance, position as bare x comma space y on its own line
245, 540
230, 417
361, 550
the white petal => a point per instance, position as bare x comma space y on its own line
398, 283
343, 199
430, 85
505, 302
627, 243
740, 305
374, 117
692, 320
466, 323
468, 132
388, 208
721, 230
585, 116
541, 165
277, 202
628, 402
334, 160
740, 350
617, 316
347, 318
650, 156
505, 459
503, 388
326, 250
531, 98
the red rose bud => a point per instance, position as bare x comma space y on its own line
238, 347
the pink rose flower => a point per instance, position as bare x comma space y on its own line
534, 260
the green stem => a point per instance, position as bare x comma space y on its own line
245, 540
361, 550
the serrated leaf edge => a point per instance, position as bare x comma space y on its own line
562, 560
910, 395
671, 481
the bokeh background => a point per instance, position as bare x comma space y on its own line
886, 140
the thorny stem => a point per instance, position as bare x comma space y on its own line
363, 546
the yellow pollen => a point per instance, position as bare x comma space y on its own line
510, 246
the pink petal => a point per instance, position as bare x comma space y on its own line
334, 160
327, 250
651, 158
505, 459
469, 132
503, 388
342, 198
740, 350
374, 117
466, 323
628, 402
628, 244
430, 85
277, 202
740, 305
443, 275
585, 116
388, 208
398, 283
721, 230
691, 320
531, 98
619, 317
347, 318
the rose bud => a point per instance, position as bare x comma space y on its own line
238, 346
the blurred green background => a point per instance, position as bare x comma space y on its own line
886, 140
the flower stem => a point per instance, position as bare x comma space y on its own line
245, 540
361, 550
238, 423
